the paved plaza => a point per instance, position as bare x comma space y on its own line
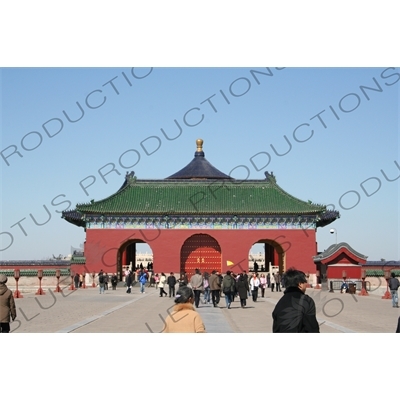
88, 311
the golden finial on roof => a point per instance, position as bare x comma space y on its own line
199, 143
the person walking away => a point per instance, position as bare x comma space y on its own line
182, 281
185, 277
126, 273
80, 280
162, 283
283, 282
184, 318
196, 282
215, 288
171, 281
156, 280
272, 280
278, 281
101, 281
206, 285
254, 284
106, 280
220, 277
152, 281
263, 284
142, 280
242, 287
394, 286
129, 281
228, 284
114, 281
7, 306
295, 311
234, 292
255, 267
76, 281
246, 277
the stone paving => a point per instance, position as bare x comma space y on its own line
88, 311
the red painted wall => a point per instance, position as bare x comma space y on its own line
102, 246
353, 273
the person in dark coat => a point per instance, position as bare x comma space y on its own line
246, 278
7, 306
76, 280
114, 281
242, 287
215, 287
129, 281
228, 287
398, 326
171, 281
182, 281
295, 311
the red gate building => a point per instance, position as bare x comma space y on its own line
200, 218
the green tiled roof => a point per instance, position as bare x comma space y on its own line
157, 197
380, 272
78, 260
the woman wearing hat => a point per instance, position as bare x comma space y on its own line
7, 306
184, 318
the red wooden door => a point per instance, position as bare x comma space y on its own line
202, 252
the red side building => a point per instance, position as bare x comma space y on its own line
340, 261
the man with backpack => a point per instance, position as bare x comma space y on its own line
394, 286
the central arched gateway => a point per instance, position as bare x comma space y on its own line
203, 252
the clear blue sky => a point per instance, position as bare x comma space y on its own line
355, 138
334, 161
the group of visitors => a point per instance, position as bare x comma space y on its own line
104, 279
78, 280
294, 312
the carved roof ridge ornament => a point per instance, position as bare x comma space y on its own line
270, 177
130, 178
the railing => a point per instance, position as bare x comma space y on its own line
336, 285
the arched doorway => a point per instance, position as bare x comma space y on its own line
203, 252
127, 257
266, 255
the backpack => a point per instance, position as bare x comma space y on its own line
101, 279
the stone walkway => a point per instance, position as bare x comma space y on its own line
88, 311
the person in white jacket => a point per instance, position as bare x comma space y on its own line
272, 282
254, 285
162, 283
